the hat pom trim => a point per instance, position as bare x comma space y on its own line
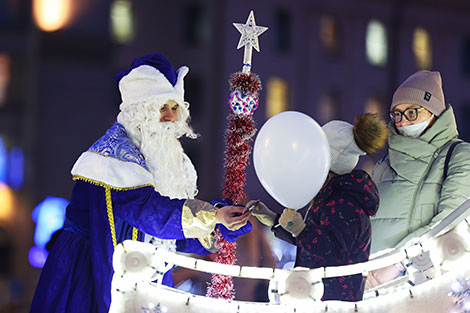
370, 132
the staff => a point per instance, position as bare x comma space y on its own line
243, 101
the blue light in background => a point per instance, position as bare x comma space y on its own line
37, 256
3, 162
15, 168
49, 216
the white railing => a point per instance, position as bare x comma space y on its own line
137, 264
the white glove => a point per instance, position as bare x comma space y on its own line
261, 212
292, 221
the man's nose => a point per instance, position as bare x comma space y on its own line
167, 116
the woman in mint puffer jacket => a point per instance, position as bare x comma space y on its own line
414, 194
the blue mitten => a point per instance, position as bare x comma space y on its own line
232, 235
218, 203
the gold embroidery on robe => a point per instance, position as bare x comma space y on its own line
197, 219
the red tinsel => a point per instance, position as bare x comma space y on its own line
245, 82
239, 133
221, 286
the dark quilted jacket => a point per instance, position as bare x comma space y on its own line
338, 232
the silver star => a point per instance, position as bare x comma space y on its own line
250, 32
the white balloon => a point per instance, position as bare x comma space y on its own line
291, 158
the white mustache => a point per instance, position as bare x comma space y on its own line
174, 174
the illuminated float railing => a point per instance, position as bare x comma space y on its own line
139, 268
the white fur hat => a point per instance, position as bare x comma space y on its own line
146, 82
344, 151
151, 76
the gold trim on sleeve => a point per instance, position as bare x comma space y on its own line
197, 218
208, 242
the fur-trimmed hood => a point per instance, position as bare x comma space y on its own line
146, 82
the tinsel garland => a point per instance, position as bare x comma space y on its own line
221, 286
240, 131
245, 82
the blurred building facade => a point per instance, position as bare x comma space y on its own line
329, 59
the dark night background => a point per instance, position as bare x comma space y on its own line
329, 59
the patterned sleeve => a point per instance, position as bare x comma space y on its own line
198, 218
330, 241
165, 218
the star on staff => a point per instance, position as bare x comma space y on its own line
249, 39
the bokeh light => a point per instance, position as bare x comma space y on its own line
7, 200
51, 15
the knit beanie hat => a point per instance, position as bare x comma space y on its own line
423, 88
348, 142
151, 76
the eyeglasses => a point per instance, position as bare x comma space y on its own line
410, 114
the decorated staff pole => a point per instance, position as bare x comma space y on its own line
243, 101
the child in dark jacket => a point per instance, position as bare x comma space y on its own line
335, 229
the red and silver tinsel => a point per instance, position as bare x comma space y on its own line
243, 101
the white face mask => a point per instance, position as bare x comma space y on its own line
414, 130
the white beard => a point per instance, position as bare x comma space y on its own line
173, 173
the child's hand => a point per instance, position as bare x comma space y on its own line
292, 221
261, 212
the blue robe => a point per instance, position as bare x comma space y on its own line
78, 272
